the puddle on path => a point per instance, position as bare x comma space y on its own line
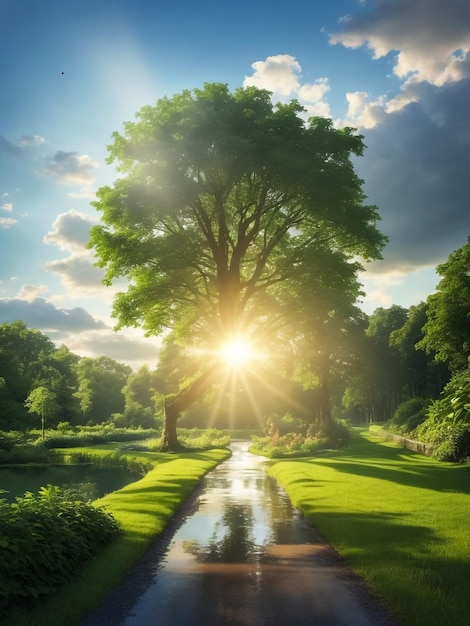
246, 556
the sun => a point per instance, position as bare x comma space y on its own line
236, 352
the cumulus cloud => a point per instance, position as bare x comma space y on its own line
415, 168
71, 168
7, 206
31, 292
79, 276
41, 314
78, 330
418, 140
71, 232
30, 140
130, 348
431, 38
7, 222
281, 74
9, 149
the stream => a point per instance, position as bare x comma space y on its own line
245, 555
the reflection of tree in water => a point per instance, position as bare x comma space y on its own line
232, 539
85, 490
282, 514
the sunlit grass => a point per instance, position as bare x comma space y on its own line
399, 518
143, 510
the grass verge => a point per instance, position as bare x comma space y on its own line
399, 518
143, 509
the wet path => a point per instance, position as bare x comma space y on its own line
246, 556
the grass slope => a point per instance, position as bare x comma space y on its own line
399, 518
143, 509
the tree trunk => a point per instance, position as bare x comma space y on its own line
175, 404
325, 404
170, 438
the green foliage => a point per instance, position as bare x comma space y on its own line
100, 385
305, 442
454, 406
447, 330
28, 360
45, 538
447, 426
92, 435
408, 416
43, 402
454, 444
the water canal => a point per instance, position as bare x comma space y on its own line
245, 555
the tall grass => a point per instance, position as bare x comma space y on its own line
399, 518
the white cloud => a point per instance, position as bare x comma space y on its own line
128, 347
71, 230
30, 140
71, 168
82, 333
431, 37
281, 74
78, 274
39, 313
7, 222
8, 206
30, 292
277, 73
431, 43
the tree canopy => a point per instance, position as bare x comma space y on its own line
222, 198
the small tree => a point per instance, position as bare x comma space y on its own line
42, 402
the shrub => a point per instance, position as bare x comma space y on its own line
451, 442
408, 416
44, 538
318, 437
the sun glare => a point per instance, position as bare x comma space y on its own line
236, 352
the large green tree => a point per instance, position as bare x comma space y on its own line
222, 197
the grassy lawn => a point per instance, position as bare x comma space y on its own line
399, 518
143, 509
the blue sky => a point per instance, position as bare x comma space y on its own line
72, 73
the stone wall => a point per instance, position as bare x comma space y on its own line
410, 444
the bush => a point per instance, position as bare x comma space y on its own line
318, 437
408, 416
451, 441
24, 454
43, 539
88, 436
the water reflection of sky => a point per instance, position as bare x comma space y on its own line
240, 511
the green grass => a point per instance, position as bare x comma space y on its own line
399, 518
143, 509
